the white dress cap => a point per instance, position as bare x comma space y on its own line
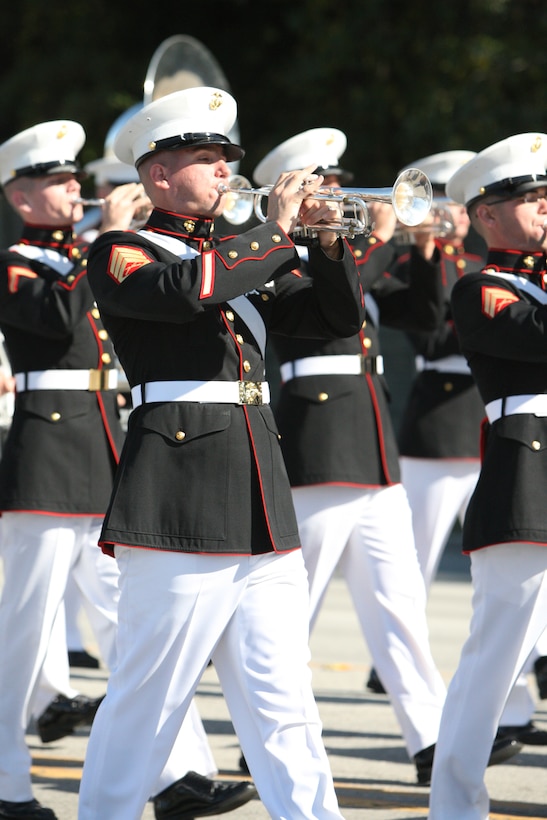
46, 148
194, 116
440, 167
506, 168
321, 147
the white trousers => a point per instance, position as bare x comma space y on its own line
250, 614
438, 492
368, 534
73, 606
39, 552
55, 674
509, 615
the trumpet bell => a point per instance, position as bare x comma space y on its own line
238, 207
412, 197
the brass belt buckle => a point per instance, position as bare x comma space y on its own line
98, 380
369, 365
250, 393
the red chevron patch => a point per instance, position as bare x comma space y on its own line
125, 260
15, 274
494, 300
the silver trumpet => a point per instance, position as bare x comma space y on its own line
440, 223
89, 203
410, 196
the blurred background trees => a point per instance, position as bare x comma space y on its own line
401, 79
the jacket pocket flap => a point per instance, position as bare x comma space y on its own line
184, 421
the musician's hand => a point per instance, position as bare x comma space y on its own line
7, 382
287, 195
123, 205
424, 242
316, 213
383, 217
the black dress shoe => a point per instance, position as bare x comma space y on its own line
374, 684
28, 810
424, 763
64, 714
529, 734
502, 749
197, 796
540, 670
82, 659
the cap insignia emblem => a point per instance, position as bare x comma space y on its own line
62, 132
215, 101
536, 145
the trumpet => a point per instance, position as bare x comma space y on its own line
410, 196
440, 224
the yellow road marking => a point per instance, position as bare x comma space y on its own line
56, 773
350, 795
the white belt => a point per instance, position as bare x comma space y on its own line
534, 405
448, 364
93, 380
348, 364
214, 392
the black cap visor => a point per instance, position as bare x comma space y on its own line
42, 169
232, 152
512, 187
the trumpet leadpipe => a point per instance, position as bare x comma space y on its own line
97, 202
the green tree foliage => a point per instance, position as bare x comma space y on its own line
401, 79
